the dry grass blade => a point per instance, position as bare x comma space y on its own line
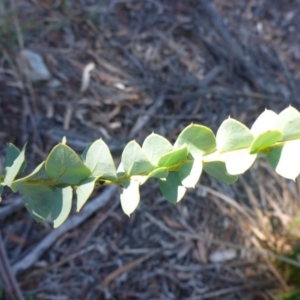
230, 202
240, 247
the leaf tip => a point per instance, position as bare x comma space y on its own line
64, 140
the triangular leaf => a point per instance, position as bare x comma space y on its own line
43, 200
289, 124
171, 187
190, 173
285, 159
64, 165
265, 122
239, 161
217, 169
61, 205
233, 135
130, 197
84, 191
38, 200
38, 196
265, 140
173, 157
12, 152
99, 160
155, 146
135, 161
198, 139
14, 164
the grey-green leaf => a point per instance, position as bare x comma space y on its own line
14, 164
217, 169
130, 197
190, 173
265, 122
84, 191
198, 139
135, 161
155, 146
37, 173
239, 161
265, 140
233, 135
172, 188
64, 165
173, 157
285, 159
41, 201
38, 200
289, 124
99, 160
61, 205
12, 152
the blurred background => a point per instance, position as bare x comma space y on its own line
119, 70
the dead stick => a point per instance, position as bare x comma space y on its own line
143, 120
13, 290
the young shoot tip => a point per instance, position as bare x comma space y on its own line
64, 140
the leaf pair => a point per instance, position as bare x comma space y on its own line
238, 146
184, 160
64, 165
176, 168
48, 189
140, 164
284, 157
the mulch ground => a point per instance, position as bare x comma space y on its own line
159, 65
